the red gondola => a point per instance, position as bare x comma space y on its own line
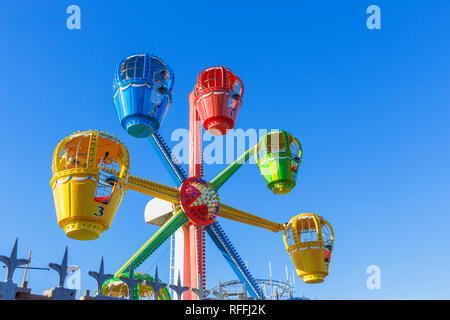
218, 97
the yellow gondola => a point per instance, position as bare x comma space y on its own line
309, 240
85, 192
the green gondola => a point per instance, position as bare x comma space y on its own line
278, 155
115, 287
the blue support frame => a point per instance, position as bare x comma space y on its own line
164, 153
222, 242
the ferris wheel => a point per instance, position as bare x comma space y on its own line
91, 176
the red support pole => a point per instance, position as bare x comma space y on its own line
194, 243
195, 141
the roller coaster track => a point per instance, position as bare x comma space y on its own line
223, 243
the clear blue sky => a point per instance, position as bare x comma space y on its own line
371, 108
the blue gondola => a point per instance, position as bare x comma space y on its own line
142, 92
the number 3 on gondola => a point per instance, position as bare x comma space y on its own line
99, 212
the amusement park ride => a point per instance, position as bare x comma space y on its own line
91, 176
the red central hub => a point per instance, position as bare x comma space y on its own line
199, 201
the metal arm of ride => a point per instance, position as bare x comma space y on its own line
171, 194
171, 225
247, 218
149, 187
235, 214
222, 177
230, 254
153, 189
165, 155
